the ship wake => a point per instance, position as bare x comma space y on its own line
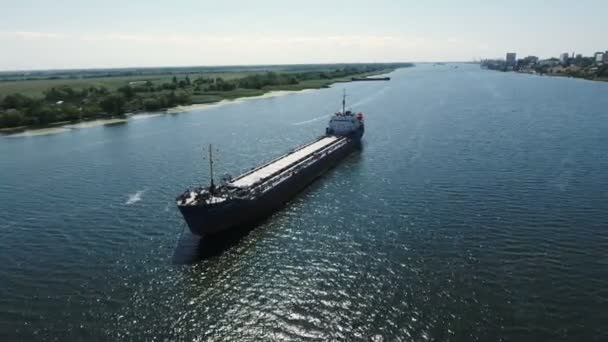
372, 97
134, 198
310, 121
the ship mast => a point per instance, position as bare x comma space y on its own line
212, 186
344, 101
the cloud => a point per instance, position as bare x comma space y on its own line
32, 35
247, 39
196, 38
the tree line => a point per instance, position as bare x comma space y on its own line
64, 103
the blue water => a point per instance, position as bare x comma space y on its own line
476, 211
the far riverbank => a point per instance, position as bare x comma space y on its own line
587, 70
53, 102
66, 126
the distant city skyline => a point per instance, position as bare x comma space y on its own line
71, 34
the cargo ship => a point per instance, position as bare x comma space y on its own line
258, 193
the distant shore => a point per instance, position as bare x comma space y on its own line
552, 67
43, 104
564, 74
60, 127
209, 105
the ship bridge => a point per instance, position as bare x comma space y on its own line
285, 162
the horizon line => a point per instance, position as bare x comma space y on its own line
205, 66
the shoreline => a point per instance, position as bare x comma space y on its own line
55, 129
566, 76
551, 74
558, 74
62, 127
223, 102
36, 110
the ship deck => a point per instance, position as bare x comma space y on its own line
281, 163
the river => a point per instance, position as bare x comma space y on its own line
477, 210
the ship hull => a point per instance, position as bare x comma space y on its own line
208, 220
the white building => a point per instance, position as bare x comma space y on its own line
563, 58
599, 57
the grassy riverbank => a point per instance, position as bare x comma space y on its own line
36, 101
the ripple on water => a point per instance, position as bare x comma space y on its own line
467, 216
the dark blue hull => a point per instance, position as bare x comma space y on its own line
233, 213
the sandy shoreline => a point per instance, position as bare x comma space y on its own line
201, 106
64, 128
174, 110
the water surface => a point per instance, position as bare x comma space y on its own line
476, 211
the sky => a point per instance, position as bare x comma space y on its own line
66, 34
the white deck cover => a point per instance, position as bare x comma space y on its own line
279, 164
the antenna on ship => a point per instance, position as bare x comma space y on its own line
343, 101
212, 186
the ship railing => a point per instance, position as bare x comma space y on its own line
296, 164
276, 159
279, 171
295, 167
230, 192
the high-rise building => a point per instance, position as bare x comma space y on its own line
563, 58
606, 57
511, 58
